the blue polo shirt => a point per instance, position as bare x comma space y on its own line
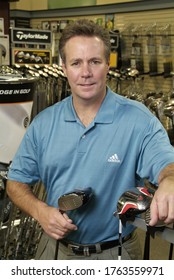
124, 141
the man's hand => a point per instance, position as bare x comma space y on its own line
55, 224
162, 206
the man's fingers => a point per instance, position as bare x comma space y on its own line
161, 211
67, 218
170, 213
153, 213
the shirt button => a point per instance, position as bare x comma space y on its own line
83, 136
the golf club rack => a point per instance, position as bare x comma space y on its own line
24, 91
131, 84
146, 75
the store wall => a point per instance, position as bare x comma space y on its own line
53, 4
103, 2
21, 5
144, 19
123, 21
33, 5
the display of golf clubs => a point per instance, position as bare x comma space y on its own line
145, 47
5, 203
20, 233
52, 85
72, 201
133, 85
165, 49
136, 57
133, 207
148, 48
127, 82
169, 105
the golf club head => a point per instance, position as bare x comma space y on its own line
169, 111
132, 203
75, 199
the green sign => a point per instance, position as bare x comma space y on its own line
56, 4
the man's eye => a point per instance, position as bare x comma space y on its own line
75, 63
95, 62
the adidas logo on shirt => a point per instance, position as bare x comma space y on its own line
114, 158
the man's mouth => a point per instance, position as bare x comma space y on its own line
87, 85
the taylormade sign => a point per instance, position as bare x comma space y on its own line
21, 35
30, 36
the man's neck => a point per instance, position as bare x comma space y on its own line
87, 111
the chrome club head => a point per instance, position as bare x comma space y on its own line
75, 199
132, 203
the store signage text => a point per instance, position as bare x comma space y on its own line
16, 91
21, 35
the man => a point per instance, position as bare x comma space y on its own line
94, 138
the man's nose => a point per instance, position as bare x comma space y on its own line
86, 70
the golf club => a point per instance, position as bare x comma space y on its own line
75, 199
71, 201
130, 204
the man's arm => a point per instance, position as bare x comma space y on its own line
162, 206
50, 218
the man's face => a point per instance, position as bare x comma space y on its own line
86, 67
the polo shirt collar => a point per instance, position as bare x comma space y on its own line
104, 115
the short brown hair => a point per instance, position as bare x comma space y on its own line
87, 28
